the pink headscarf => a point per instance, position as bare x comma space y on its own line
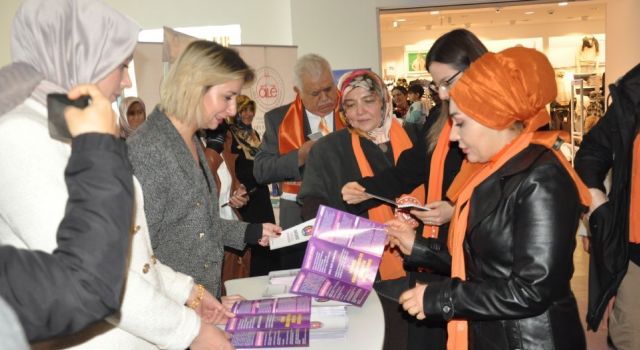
371, 82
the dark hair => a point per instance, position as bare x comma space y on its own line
401, 89
458, 48
417, 89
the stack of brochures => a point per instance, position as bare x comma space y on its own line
342, 257
269, 323
285, 322
329, 318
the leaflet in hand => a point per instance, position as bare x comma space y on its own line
409, 206
342, 257
267, 323
294, 235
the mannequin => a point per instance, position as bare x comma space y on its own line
588, 55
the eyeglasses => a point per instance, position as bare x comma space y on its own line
445, 84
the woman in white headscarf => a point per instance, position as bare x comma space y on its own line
57, 44
132, 114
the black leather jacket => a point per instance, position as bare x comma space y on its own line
518, 253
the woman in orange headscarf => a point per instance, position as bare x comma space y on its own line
513, 231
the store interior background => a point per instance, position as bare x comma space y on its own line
346, 32
557, 29
360, 33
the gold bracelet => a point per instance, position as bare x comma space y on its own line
196, 302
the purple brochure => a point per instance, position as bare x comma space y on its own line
342, 257
269, 314
271, 338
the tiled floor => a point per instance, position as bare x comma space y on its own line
595, 340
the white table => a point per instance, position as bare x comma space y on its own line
366, 323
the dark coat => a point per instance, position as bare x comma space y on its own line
609, 145
81, 281
331, 164
518, 253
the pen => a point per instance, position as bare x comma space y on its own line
246, 194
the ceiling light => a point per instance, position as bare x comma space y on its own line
564, 3
529, 13
434, 13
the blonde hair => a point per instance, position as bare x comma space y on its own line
202, 65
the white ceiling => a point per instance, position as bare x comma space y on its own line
495, 16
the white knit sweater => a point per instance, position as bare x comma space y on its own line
32, 205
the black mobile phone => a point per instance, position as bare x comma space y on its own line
56, 103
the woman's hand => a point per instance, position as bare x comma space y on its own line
440, 213
269, 230
229, 300
411, 301
97, 117
209, 308
354, 193
401, 235
239, 198
210, 337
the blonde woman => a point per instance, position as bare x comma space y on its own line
187, 233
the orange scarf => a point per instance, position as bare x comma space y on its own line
634, 204
391, 265
458, 329
436, 175
291, 134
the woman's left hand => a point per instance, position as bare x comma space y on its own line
210, 309
411, 301
269, 230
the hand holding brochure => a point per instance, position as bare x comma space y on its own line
342, 257
408, 206
294, 235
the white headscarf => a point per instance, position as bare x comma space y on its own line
57, 44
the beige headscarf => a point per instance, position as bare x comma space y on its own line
57, 44
125, 128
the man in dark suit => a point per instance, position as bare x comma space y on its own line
291, 131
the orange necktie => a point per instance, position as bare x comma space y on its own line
324, 129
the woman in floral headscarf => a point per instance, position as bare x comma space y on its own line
513, 231
371, 143
243, 142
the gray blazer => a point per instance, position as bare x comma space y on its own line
186, 230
